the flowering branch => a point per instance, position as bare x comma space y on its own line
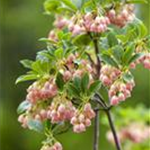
66, 77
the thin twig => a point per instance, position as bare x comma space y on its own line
91, 60
117, 142
96, 48
96, 131
102, 103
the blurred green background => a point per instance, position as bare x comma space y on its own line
22, 23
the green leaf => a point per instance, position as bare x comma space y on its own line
36, 66
64, 9
59, 81
128, 53
47, 124
69, 4
141, 28
46, 40
108, 60
35, 125
85, 82
77, 82
118, 53
51, 5
59, 53
136, 29
27, 63
61, 128
94, 87
135, 57
82, 40
73, 90
25, 105
128, 77
27, 77
112, 40
41, 66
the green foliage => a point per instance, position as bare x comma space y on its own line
112, 40
128, 53
85, 82
108, 59
94, 87
27, 63
82, 39
59, 81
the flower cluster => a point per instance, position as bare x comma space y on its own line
145, 60
109, 74
61, 22
41, 92
82, 119
56, 146
37, 113
59, 112
119, 91
72, 70
89, 23
135, 132
123, 16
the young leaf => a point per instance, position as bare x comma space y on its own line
85, 82
59, 81
59, 53
94, 87
61, 128
118, 53
112, 40
23, 107
51, 5
27, 63
128, 77
35, 125
109, 60
135, 57
128, 53
73, 90
77, 82
141, 28
81, 40
27, 77
69, 4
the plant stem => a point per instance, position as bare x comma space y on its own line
95, 41
102, 103
117, 142
96, 131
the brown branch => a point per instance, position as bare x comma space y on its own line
96, 131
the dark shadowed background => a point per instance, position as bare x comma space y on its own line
22, 23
